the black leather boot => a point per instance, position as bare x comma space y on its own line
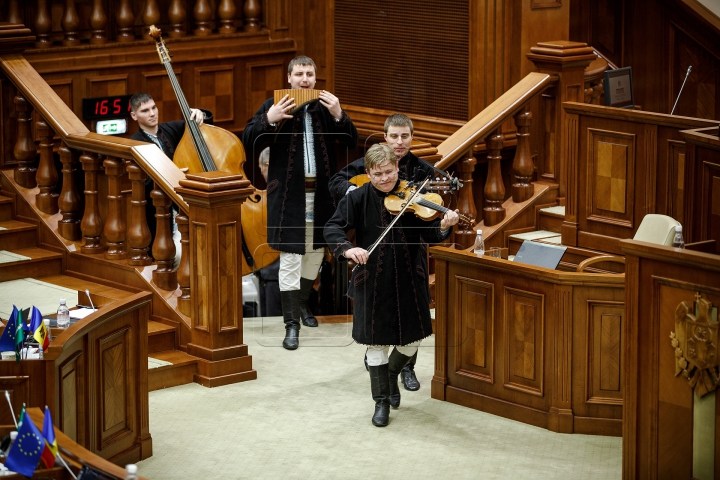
291, 316
380, 393
409, 380
308, 319
396, 363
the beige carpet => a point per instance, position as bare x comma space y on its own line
308, 416
26, 292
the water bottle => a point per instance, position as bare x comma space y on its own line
63, 315
678, 241
479, 247
131, 472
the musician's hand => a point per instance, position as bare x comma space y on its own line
197, 116
357, 255
449, 219
332, 103
280, 111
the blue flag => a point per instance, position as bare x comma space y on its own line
35, 320
25, 451
7, 341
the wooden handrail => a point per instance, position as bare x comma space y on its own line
74, 132
490, 119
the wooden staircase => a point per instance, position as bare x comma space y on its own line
20, 237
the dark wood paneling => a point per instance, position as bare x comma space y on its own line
524, 323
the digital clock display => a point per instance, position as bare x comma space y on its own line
106, 107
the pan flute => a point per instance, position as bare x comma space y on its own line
301, 96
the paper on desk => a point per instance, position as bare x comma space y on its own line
81, 312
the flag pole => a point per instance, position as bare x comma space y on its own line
12, 412
67, 467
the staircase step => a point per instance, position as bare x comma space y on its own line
181, 371
551, 218
161, 337
15, 234
40, 263
6, 209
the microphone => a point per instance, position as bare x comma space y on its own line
87, 292
681, 89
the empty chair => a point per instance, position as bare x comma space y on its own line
656, 228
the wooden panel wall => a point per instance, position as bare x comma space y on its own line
703, 184
529, 344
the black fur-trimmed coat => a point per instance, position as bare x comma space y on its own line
286, 173
391, 300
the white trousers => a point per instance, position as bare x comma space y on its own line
378, 354
293, 265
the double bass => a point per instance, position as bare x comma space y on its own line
207, 148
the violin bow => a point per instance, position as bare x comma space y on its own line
385, 232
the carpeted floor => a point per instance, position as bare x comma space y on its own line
308, 416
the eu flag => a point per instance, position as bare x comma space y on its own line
7, 341
25, 451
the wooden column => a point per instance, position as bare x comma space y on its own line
466, 201
494, 191
183, 271
70, 24
43, 25
523, 166
253, 15
92, 222
47, 175
216, 276
226, 13
203, 15
14, 13
98, 23
70, 202
151, 16
125, 20
178, 15
138, 234
163, 247
115, 228
24, 150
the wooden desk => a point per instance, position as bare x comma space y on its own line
94, 379
658, 423
535, 345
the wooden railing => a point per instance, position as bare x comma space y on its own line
115, 20
104, 216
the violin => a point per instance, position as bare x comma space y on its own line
426, 206
447, 185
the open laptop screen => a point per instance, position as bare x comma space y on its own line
540, 254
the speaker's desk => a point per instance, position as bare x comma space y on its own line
535, 345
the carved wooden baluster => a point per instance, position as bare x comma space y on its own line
24, 150
151, 15
163, 247
70, 201
494, 212
98, 22
70, 24
183, 271
138, 233
523, 166
47, 175
177, 16
92, 222
598, 90
115, 228
203, 15
466, 200
43, 25
253, 12
125, 21
226, 12
14, 12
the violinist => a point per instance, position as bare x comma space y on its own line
388, 286
398, 135
302, 160
166, 136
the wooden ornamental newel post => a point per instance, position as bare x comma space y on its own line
466, 202
494, 212
568, 61
216, 315
24, 150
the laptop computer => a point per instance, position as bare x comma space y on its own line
540, 254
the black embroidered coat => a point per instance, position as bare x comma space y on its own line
391, 300
286, 173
